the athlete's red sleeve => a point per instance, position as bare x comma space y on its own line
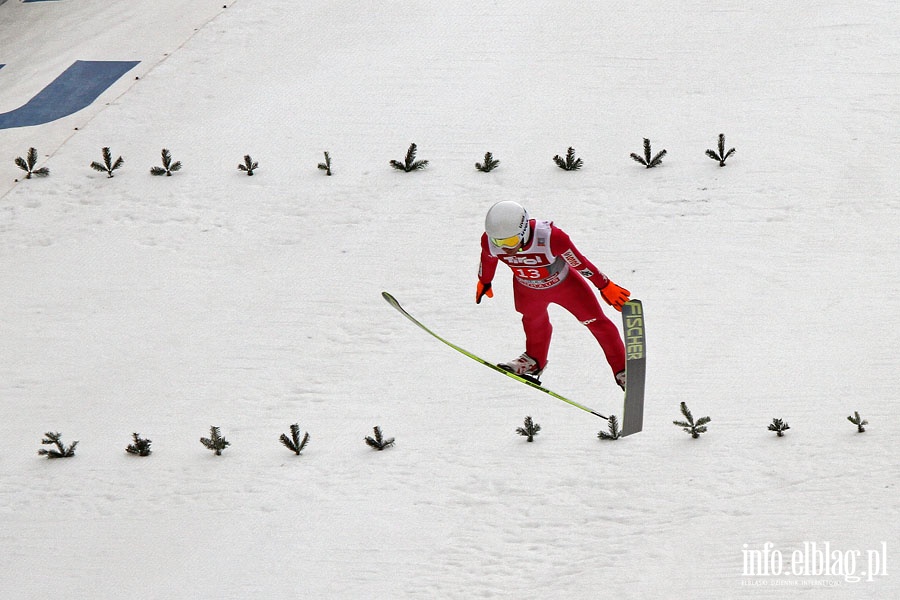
561, 245
488, 265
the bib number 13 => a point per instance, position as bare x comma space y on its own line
529, 273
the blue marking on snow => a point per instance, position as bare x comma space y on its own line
76, 88
39, 0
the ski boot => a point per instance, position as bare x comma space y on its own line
525, 367
620, 379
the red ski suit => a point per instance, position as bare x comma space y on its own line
550, 269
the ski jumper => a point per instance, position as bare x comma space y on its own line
550, 269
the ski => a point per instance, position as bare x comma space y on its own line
635, 366
393, 302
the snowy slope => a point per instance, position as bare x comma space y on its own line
167, 305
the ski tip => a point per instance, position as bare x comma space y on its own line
392, 301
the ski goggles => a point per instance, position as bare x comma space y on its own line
512, 241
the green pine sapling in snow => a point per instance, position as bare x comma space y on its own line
61, 451
140, 446
570, 163
215, 441
249, 165
379, 442
858, 421
614, 432
721, 155
529, 430
28, 163
779, 427
326, 166
646, 160
108, 165
410, 163
689, 425
489, 163
295, 442
168, 166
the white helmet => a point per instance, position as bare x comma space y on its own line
504, 221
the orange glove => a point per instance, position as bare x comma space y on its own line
483, 289
615, 296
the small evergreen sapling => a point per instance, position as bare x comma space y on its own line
249, 165
140, 446
379, 442
168, 166
721, 155
215, 441
570, 163
858, 421
489, 163
691, 427
108, 165
779, 427
529, 430
646, 160
410, 163
326, 166
295, 443
61, 451
27, 164
614, 432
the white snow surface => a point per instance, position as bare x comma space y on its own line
166, 305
